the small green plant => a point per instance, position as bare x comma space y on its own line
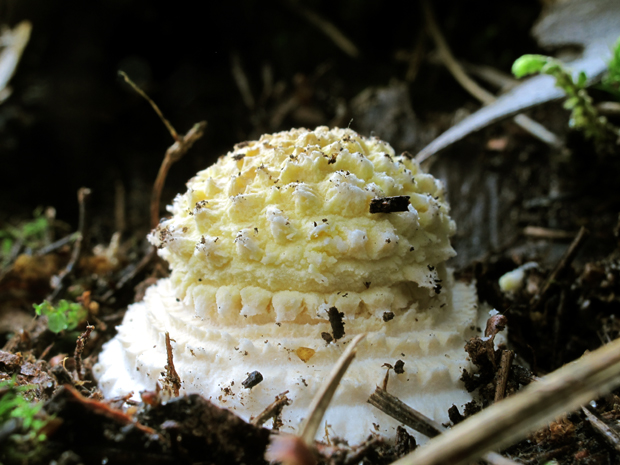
31, 234
14, 405
584, 115
66, 315
611, 81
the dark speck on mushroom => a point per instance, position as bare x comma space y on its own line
252, 380
399, 367
399, 203
335, 319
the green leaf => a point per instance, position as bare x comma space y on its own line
7, 245
582, 79
529, 64
57, 322
43, 308
66, 315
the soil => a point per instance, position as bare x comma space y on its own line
72, 122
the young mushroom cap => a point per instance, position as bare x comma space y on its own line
280, 254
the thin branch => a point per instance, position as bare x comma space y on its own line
323, 397
80, 242
135, 87
512, 419
242, 81
130, 273
57, 244
326, 27
272, 411
564, 263
173, 154
79, 348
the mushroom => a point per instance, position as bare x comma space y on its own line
282, 252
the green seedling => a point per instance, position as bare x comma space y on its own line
30, 234
65, 315
611, 81
584, 115
13, 404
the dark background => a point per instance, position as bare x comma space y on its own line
72, 122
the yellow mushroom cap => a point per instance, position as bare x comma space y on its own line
270, 242
281, 224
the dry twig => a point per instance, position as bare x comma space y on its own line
501, 424
610, 435
79, 348
326, 27
272, 411
564, 263
131, 272
400, 411
78, 247
172, 377
502, 374
323, 397
546, 233
397, 409
241, 79
174, 153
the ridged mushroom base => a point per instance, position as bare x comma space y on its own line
215, 361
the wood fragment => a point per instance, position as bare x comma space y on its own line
397, 409
610, 435
608, 108
546, 233
172, 377
363, 451
512, 419
323, 397
274, 410
398, 203
502, 374
252, 380
561, 267
79, 348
